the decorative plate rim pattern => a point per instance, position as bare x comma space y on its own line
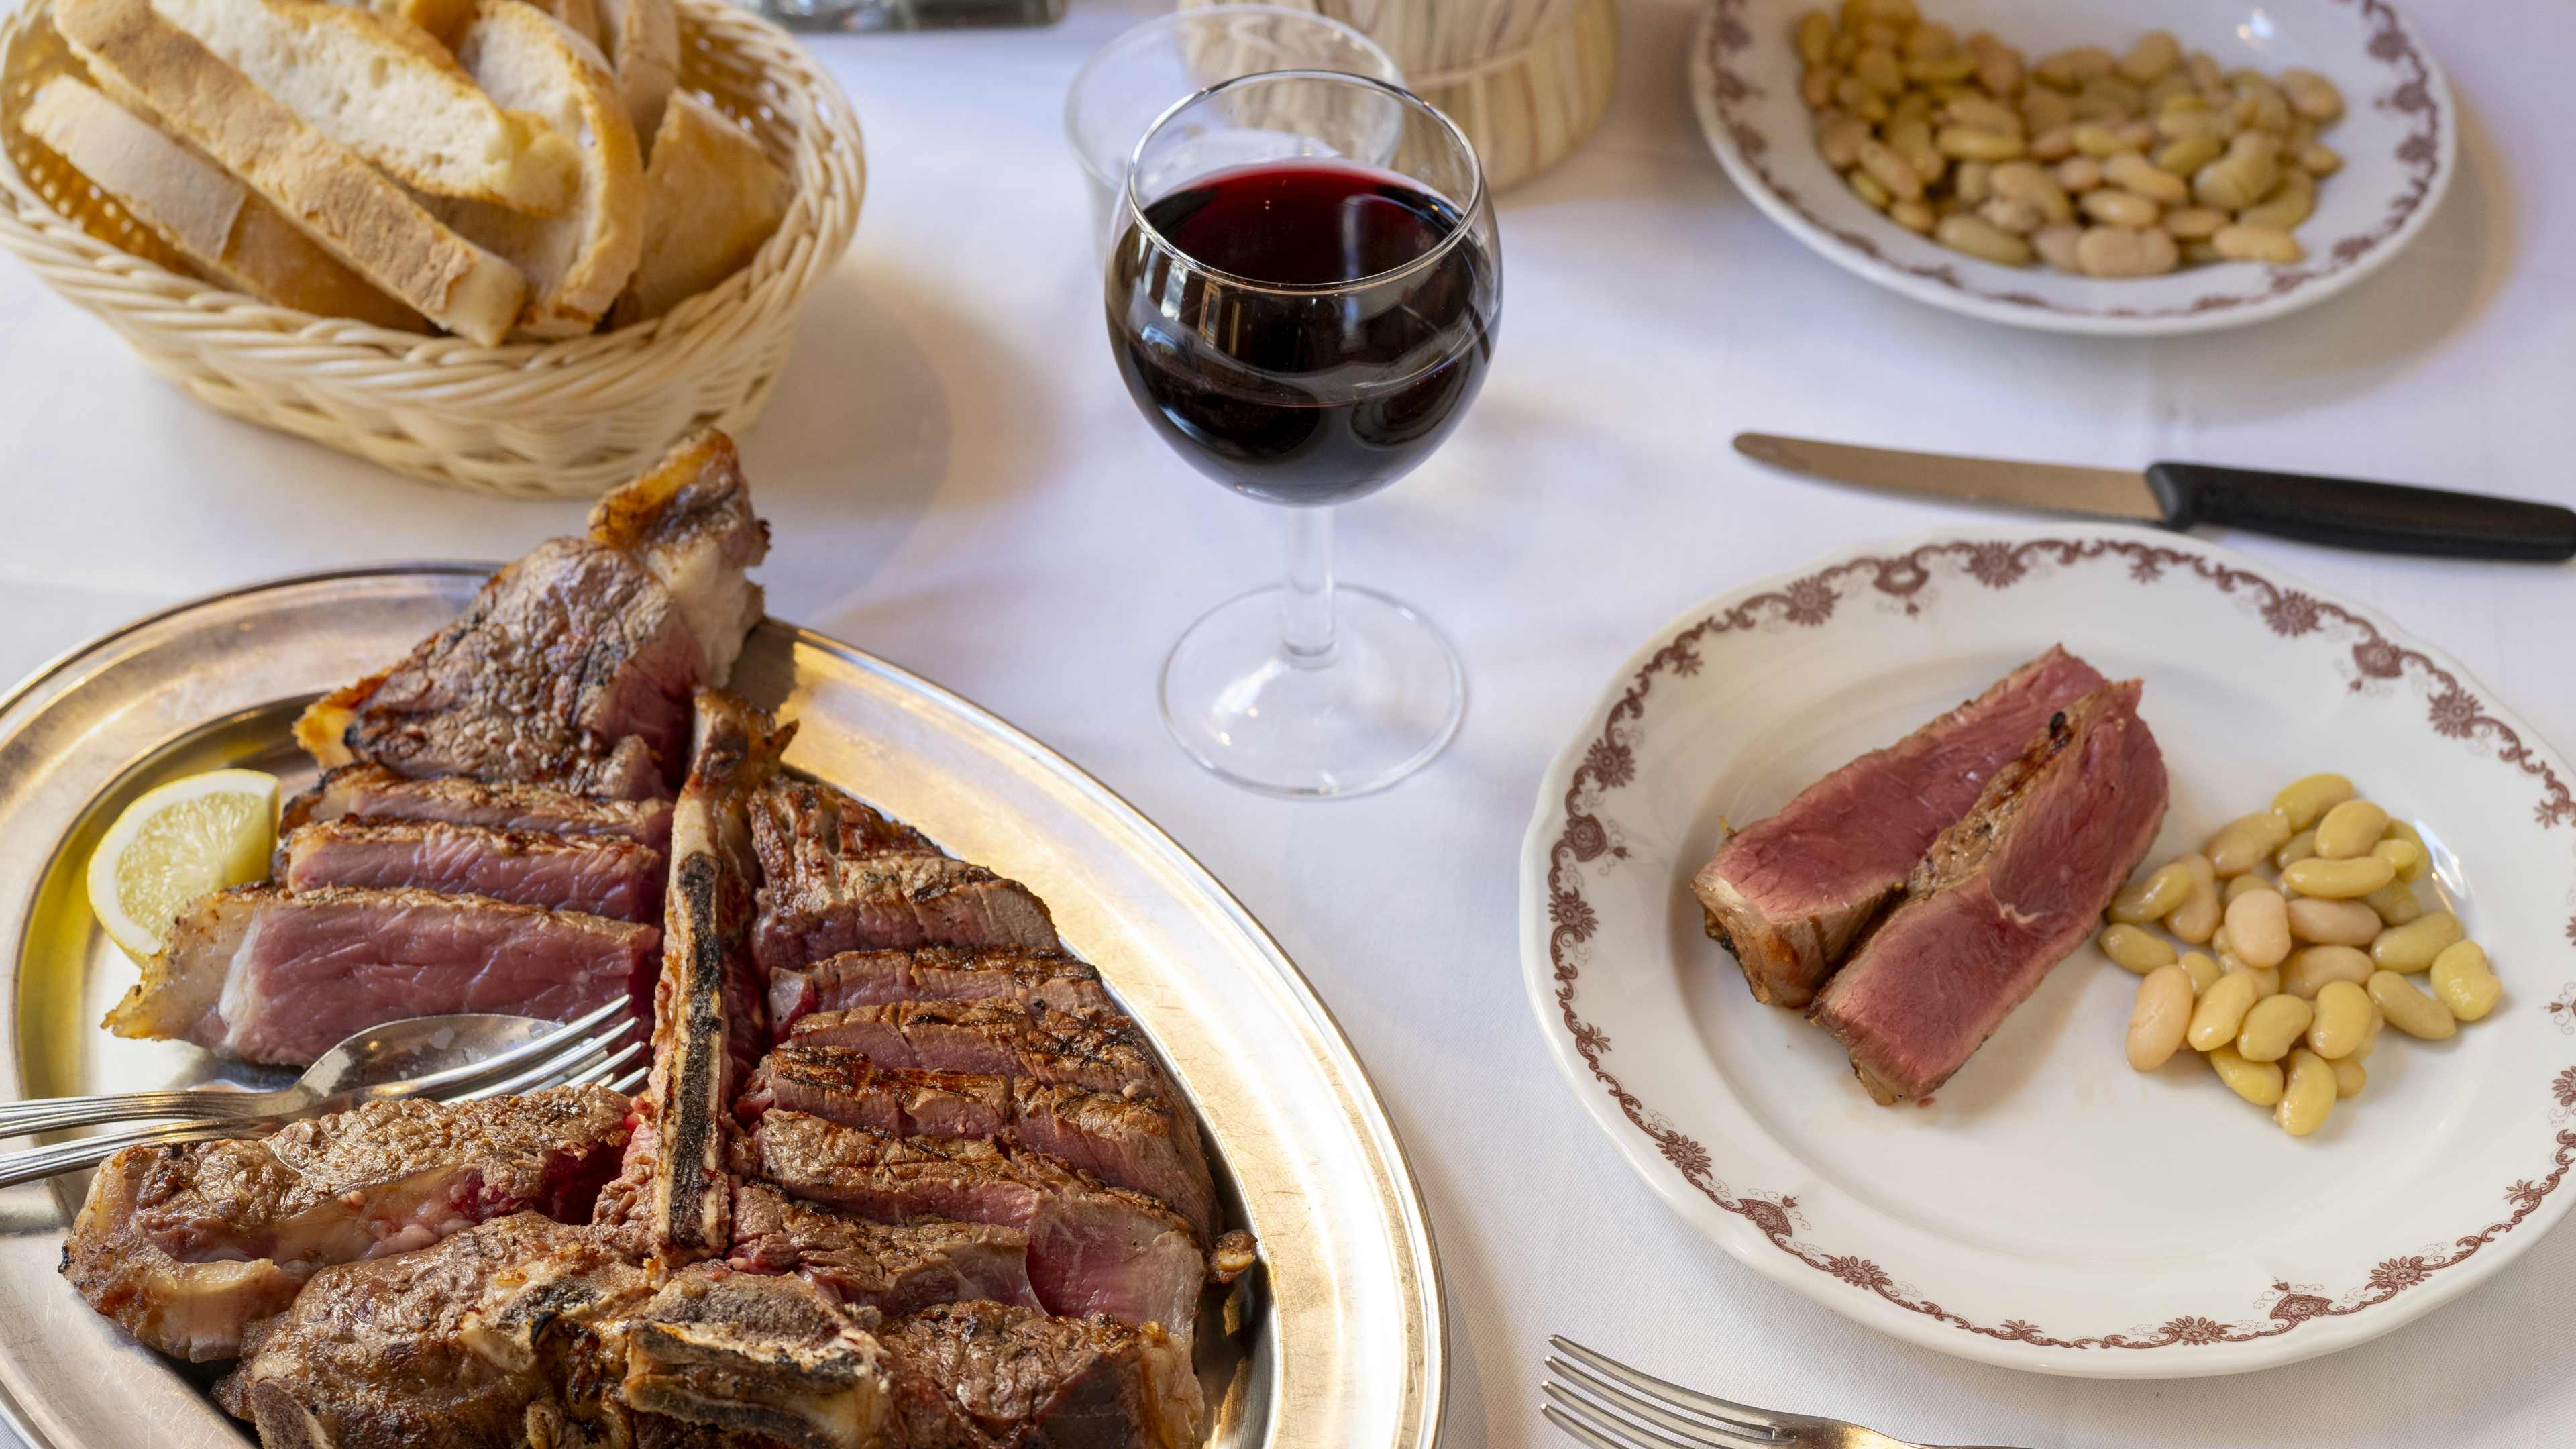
2426, 155
1601, 762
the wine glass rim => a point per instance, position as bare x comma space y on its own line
1135, 204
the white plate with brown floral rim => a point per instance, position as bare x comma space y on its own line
2049, 1208
2398, 137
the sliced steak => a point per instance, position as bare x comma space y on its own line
1123, 1141
986, 1376
892, 1268
374, 793
574, 665
265, 976
479, 1341
933, 973
603, 875
748, 1359
1092, 1248
838, 877
803, 819
1789, 893
710, 1007
691, 523
190, 1246
2004, 895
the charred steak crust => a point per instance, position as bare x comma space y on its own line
192, 1247
985, 1375
934, 973
889, 1268
373, 794
2002, 897
1789, 894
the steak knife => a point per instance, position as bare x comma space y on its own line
2340, 512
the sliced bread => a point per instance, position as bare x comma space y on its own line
383, 88
711, 197
642, 38
232, 237
581, 17
441, 20
578, 262
318, 184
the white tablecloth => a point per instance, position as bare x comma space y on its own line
958, 482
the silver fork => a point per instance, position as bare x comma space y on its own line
571, 1055
1609, 1405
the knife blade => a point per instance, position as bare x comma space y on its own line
2339, 512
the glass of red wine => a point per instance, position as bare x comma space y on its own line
1302, 300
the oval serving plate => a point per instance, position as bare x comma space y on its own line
2050, 1209
1340, 1340
2398, 137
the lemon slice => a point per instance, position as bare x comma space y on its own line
176, 843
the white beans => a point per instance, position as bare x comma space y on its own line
2258, 928
1926, 127
2302, 971
2350, 829
2334, 923
2159, 1017
2463, 981
2410, 1010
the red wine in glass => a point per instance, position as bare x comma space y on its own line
1262, 363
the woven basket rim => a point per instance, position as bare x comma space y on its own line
708, 320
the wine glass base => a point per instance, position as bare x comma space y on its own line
1385, 704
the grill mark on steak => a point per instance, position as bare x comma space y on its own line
374, 794
192, 1246
599, 875
1092, 1248
987, 1376
1123, 1141
263, 975
838, 876
933, 973
2001, 898
1790, 894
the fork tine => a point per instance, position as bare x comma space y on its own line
1742, 1417
1629, 1433
1579, 1429
469, 1074
1635, 1406
572, 1059
600, 1070
627, 1084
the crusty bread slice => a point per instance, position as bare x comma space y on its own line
642, 38
232, 237
381, 87
318, 184
711, 197
441, 20
578, 262
581, 17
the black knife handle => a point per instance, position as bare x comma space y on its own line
2350, 513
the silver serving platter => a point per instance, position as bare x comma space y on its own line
1336, 1342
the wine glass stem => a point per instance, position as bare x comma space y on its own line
1306, 615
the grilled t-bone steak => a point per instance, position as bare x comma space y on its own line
933, 973
838, 877
1790, 893
190, 1246
517, 1324
891, 1268
773, 1360
374, 794
574, 665
1125, 1142
602, 875
2004, 895
268, 976
710, 1004
987, 1376
1092, 1248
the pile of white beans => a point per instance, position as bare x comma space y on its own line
2102, 165
2303, 968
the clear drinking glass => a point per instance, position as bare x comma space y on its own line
1127, 85
1306, 329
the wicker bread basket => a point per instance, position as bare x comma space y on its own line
1527, 80
528, 420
